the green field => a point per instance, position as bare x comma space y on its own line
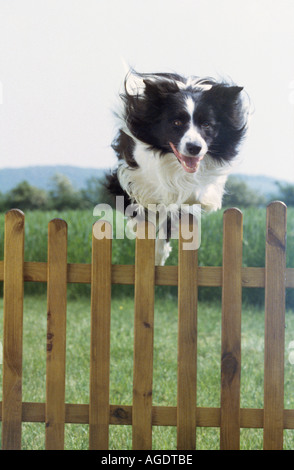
165, 343
165, 367
210, 252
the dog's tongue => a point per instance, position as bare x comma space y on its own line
190, 164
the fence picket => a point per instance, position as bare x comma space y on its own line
13, 330
275, 274
100, 338
56, 334
99, 413
231, 330
143, 337
187, 342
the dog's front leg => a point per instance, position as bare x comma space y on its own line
162, 251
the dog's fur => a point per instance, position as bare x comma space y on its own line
176, 140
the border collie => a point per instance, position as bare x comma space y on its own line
176, 140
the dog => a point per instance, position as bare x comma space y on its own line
177, 137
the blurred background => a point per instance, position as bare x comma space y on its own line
61, 67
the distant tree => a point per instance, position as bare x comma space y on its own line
95, 192
63, 195
25, 197
2, 202
238, 194
286, 193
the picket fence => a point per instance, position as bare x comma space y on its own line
101, 273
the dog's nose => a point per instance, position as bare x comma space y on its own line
193, 149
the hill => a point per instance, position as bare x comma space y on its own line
265, 185
40, 176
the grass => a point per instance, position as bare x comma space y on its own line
165, 367
210, 252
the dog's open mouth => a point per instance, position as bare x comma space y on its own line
190, 164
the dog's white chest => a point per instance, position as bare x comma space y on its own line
161, 180
157, 180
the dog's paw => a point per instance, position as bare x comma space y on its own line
162, 252
211, 200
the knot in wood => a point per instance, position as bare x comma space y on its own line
230, 367
120, 414
274, 240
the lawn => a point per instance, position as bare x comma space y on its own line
165, 366
210, 252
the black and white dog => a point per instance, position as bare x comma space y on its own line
176, 139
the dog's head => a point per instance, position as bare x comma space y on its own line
189, 117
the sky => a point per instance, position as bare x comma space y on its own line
61, 68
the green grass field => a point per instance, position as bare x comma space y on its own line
210, 252
165, 367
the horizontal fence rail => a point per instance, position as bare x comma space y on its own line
188, 276
124, 274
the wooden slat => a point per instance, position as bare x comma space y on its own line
13, 329
231, 330
275, 267
275, 277
56, 334
100, 338
253, 277
143, 337
161, 415
187, 341
210, 276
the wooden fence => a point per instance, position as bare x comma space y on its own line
99, 413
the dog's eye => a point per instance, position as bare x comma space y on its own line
205, 125
177, 123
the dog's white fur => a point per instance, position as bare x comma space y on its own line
162, 180
159, 180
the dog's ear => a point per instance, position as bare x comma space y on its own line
153, 88
233, 91
223, 93
134, 84
137, 84
159, 87
237, 106
231, 102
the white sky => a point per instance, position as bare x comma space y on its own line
61, 68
